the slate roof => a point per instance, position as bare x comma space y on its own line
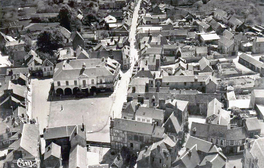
189, 159
30, 139
202, 145
181, 104
251, 60
58, 132
208, 130
78, 157
150, 112
204, 63
257, 151
52, 150
176, 79
17, 89
213, 107
134, 126
258, 93
210, 37
93, 68
143, 74
129, 107
175, 123
252, 124
217, 160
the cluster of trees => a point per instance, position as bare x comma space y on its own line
68, 18
50, 40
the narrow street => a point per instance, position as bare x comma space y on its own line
120, 92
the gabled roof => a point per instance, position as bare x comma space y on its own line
52, 150
81, 53
47, 62
129, 107
32, 56
144, 74
73, 69
189, 159
257, 151
217, 160
175, 125
58, 132
226, 42
214, 107
202, 145
134, 126
78, 157
150, 113
252, 124
181, 104
17, 89
204, 63
210, 37
30, 139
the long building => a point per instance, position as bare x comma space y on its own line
87, 75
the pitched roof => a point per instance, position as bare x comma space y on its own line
257, 151
258, 93
52, 150
189, 159
181, 104
129, 107
73, 69
202, 145
217, 160
133, 126
252, 124
192, 78
175, 123
213, 107
143, 74
150, 112
209, 37
204, 63
251, 60
78, 157
58, 132
30, 139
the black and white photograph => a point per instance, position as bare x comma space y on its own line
131, 83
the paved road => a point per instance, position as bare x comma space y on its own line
39, 104
120, 92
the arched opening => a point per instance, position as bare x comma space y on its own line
75, 90
59, 91
68, 91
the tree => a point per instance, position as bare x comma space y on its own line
49, 40
65, 17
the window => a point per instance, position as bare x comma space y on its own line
148, 120
185, 83
133, 89
101, 80
67, 83
135, 137
222, 142
44, 69
75, 82
84, 83
58, 83
143, 120
92, 81
51, 68
138, 119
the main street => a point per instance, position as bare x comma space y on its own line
120, 92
